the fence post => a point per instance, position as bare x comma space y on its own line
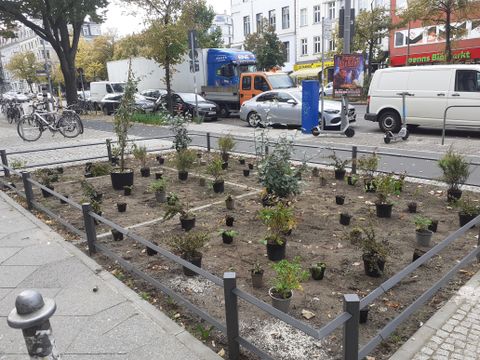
89, 228
31, 314
478, 243
231, 313
354, 160
3, 156
351, 304
208, 142
109, 149
266, 150
27, 185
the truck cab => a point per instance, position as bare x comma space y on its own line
252, 84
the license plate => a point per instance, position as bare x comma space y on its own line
211, 113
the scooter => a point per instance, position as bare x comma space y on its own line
403, 133
344, 124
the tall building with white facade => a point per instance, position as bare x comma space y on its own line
224, 22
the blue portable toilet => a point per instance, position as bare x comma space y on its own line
310, 99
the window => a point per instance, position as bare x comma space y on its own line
246, 25
331, 45
109, 89
317, 17
226, 70
467, 81
260, 83
246, 83
286, 51
331, 10
259, 21
272, 20
317, 44
285, 17
400, 39
266, 97
303, 17
304, 47
283, 97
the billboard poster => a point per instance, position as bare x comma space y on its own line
349, 71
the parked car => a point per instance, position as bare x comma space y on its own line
285, 108
153, 94
87, 95
99, 89
111, 102
184, 103
15, 96
431, 90
328, 91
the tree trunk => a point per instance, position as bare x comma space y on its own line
448, 41
70, 77
370, 57
169, 85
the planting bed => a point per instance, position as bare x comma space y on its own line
318, 237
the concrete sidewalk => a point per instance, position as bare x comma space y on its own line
111, 323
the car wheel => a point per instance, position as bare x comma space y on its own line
224, 111
105, 111
254, 120
390, 121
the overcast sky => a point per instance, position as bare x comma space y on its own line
123, 20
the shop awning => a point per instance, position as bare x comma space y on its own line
306, 73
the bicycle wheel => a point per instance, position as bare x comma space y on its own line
70, 125
29, 128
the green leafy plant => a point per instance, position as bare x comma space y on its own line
17, 164
189, 243
184, 159
257, 268
467, 206
140, 154
368, 165
100, 169
226, 144
47, 176
175, 206
455, 168
369, 244
385, 185
279, 220
215, 169
338, 163
288, 277
422, 223
229, 233
178, 126
204, 332
158, 185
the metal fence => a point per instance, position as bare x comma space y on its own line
348, 319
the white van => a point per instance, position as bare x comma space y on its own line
433, 89
98, 89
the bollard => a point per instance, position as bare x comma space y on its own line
27, 185
31, 314
478, 243
351, 304
354, 160
208, 142
89, 228
3, 158
231, 313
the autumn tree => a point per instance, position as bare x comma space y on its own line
93, 56
197, 15
130, 46
266, 46
24, 66
57, 21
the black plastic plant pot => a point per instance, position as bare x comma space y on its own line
182, 175
225, 166
88, 175
127, 191
150, 251
454, 195
225, 157
88, 167
257, 279
363, 316
45, 193
219, 187
276, 252
98, 197
317, 272
373, 266
227, 239
229, 220
345, 219
117, 235
412, 207
246, 172
417, 253
250, 166
63, 201
464, 219
340, 199
384, 210
187, 223
121, 179
158, 175
433, 226
145, 172
241, 161
114, 160
197, 261
59, 169
340, 174
122, 207
160, 160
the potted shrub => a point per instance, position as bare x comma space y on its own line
288, 277
140, 154
160, 159
257, 275
423, 234
184, 160
339, 199
280, 220
226, 144
468, 210
117, 235
188, 246
318, 270
230, 202
158, 175
315, 172
368, 166
100, 169
46, 179
374, 252
345, 219
412, 207
385, 187
174, 207
241, 161
228, 235
150, 251
90, 193
352, 180
158, 187
229, 220
215, 169
433, 226
127, 190
339, 166
122, 176
246, 172
250, 166
456, 170
122, 207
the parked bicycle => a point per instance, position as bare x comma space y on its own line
14, 112
31, 126
81, 107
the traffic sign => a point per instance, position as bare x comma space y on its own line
197, 66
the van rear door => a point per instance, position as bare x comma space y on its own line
465, 87
430, 89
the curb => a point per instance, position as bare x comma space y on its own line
183, 336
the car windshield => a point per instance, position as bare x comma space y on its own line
246, 68
281, 81
190, 97
118, 87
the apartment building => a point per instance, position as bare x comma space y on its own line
224, 22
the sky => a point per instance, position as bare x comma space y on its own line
124, 20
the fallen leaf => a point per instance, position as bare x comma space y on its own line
221, 353
307, 314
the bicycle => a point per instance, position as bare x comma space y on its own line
81, 107
31, 127
14, 112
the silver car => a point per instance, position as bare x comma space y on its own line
285, 107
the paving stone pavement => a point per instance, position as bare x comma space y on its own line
111, 323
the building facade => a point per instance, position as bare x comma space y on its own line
224, 22
426, 44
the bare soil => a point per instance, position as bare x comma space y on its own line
318, 237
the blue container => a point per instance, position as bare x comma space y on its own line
310, 99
